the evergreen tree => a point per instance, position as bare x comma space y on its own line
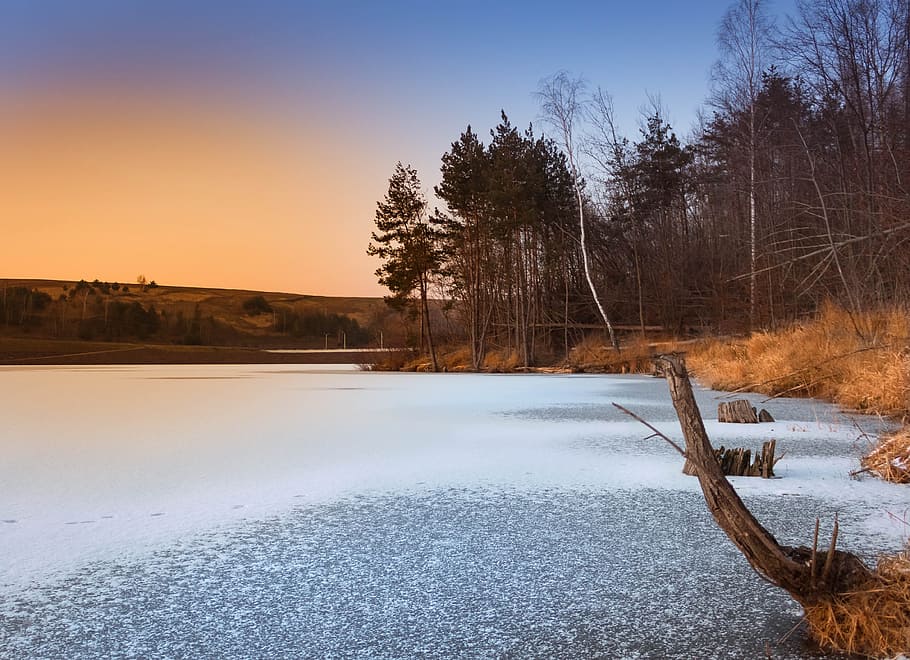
408, 243
465, 190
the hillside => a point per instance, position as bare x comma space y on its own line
40, 316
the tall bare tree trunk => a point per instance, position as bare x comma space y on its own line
753, 275
425, 314
561, 105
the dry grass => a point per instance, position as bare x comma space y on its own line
593, 353
826, 357
873, 621
501, 361
862, 363
391, 361
890, 458
455, 358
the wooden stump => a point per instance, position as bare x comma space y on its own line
737, 462
764, 416
738, 411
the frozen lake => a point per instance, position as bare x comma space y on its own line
296, 511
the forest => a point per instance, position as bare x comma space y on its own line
790, 193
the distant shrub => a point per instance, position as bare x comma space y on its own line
256, 305
194, 336
122, 320
86, 331
40, 300
19, 305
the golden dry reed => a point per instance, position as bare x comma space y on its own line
890, 458
861, 362
872, 621
594, 353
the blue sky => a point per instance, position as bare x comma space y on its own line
382, 81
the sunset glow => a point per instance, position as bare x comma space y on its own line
245, 146
107, 187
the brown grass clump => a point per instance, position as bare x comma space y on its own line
457, 358
391, 361
874, 620
501, 361
861, 362
890, 458
594, 353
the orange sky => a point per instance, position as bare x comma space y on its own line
245, 144
185, 192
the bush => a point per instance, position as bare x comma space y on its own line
256, 305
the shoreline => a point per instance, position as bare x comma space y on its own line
27, 351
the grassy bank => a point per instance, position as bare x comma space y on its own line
861, 362
592, 355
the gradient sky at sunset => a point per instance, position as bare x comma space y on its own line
244, 144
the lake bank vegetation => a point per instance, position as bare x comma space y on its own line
97, 311
789, 194
785, 214
827, 358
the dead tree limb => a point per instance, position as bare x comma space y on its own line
657, 433
786, 567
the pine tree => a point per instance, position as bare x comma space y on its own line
408, 243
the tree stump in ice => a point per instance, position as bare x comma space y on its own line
737, 461
764, 416
738, 411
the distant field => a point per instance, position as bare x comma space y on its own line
19, 351
196, 325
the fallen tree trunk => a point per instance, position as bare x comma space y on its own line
819, 581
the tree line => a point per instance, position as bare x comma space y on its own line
792, 190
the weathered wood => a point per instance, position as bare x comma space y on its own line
738, 411
764, 416
787, 567
767, 458
737, 461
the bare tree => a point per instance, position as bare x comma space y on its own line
743, 38
610, 153
562, 107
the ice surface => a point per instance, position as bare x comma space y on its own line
272, 511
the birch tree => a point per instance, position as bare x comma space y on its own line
562, 105
743, 39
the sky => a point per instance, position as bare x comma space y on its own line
245, 144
